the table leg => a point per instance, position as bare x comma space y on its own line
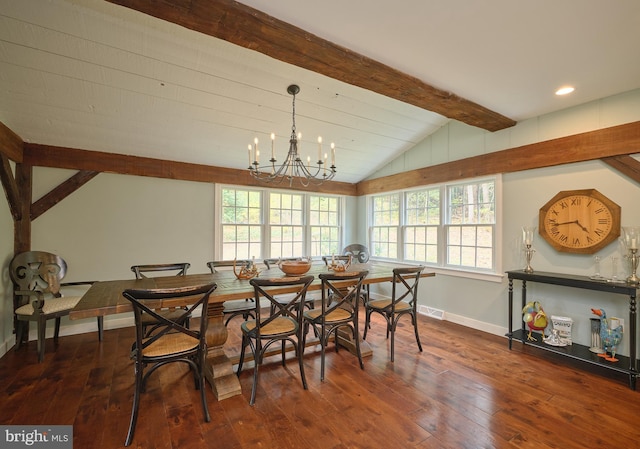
345, 339
219, 369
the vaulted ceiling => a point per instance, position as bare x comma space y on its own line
196, 80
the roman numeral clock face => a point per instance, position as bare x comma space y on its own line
579, 221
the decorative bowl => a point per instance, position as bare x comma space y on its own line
294, 267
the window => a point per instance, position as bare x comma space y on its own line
422, 225
241, 223
324, 220
470, 225
264, 223
286, 225
386, 222
450, 225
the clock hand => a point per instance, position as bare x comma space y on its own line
581, 227
567, 222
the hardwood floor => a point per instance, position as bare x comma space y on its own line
466, 390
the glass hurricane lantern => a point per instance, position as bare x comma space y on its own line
527, 240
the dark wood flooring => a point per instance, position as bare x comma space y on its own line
466, 390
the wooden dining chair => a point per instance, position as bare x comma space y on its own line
359, 253
172, 341
283, 325
273, 263
235, 307
403, 301
153, 270
339, 310
38, 297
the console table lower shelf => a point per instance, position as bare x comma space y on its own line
624, 365
582, 354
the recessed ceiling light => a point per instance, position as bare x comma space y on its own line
565, 90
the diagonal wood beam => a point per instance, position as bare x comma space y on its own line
626, 165
61, 192
247, 27
10, 187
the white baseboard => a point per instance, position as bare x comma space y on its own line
439, 314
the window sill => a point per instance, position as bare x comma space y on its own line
456, 272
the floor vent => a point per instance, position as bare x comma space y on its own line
434, 313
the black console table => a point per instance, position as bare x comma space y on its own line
626, 365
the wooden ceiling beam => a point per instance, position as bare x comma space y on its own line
250, 28
603, 143
96, 161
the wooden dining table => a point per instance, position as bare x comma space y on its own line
105, 298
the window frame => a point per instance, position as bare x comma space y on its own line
265, 225
494, 273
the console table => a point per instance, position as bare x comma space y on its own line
625, 365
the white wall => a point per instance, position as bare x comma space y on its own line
482, 304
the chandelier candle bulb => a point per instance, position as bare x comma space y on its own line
333, 154
319, 147
273, 151
250, 156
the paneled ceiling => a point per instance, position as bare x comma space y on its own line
95, 75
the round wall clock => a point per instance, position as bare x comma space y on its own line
579, 221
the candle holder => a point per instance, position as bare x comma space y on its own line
631, 241
527, 240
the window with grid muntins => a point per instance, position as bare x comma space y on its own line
286, 222
385, 229
450, 225
241, 224
422, 223
324, 222
471, 225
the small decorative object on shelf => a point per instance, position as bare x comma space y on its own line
596, 342
597, 276
554, 339
246, 271
563, 325
610, 334
527, 240
631, 240
535, 317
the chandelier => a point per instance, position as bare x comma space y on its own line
293, 166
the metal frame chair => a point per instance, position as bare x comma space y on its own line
284, 325
400, 304
339, 309
234, 307
142, 272
172, 342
